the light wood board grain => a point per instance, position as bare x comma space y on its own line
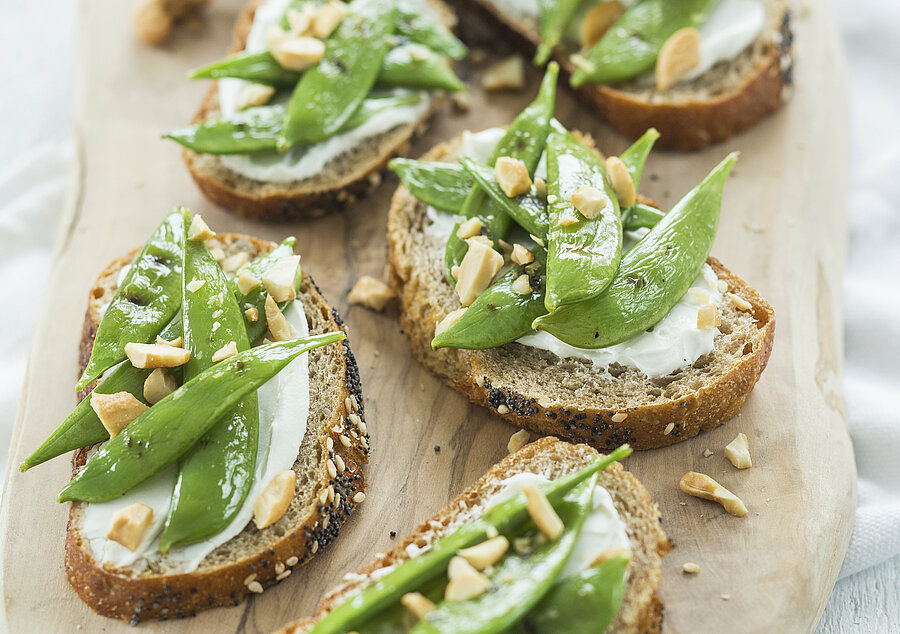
782, 229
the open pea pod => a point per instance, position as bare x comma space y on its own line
636, 155
145, 301
556, 15
528, 210
640, 216
166, 431
652, 276
426, 30
524, 139
331, 91
631, 45
582, 253
419, 571
500, 314
586, 603
444, 186
417, 66
222, 461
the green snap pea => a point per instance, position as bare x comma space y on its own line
146, 300
500, 314
417, 572
166, 431
429, 32
640, 216
636, 155
555, 18
444, 186
260, 68
417, 66
518, 582
582, 253
214, 476
528, 210
652, 276
586, 603
631, 45
329, 93
524, 140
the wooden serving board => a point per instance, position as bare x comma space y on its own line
782, 229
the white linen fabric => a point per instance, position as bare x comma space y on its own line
37, 156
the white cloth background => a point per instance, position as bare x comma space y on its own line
36, 68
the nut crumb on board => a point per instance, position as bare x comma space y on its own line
507, 74
690, 568
370, 293
518, 440
738, 452
702, 486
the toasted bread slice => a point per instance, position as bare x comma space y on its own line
569, 398
253, 555
730, 97
342, 180
641, 610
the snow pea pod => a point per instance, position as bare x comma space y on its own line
259, 67
500, 314
415, 573
556, 15
652, 276
524, 139
166, 431
631, 45
529, 210
640, 216
444, 186
582, 253
417, 66
214, 476
586, 603
147, 299
329, 93
424, 30
636, 155
518, 582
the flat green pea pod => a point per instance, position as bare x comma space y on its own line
652, 276
444, 186
329, 93
555, 18
417, 572
524, 139
583, 250
586, 603
518, 582
529, 210
145, 301
214, 476
631, 45
636, 155
422, 29
640, 216
501, 313
166, 431
260, 68
417, 66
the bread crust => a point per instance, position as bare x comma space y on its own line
299, 199
686, 125
137, 597
643, 427
642, 609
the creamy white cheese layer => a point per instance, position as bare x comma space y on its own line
283, 413
301, 163
674, 343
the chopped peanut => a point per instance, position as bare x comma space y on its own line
417, 604
115, 411
254, 95
476, 271
327, 18
589, 201
512, 176
129, 525
280, 280
678, 56
518, 440
521, 255
702, 486
598, 20
246, 283
448, 321
465, 582
274, 499
158, 386
708, 317
521, 285
300, 20
297, 53
199, 230
738, 452
279, 327
225, 352
621, 181
487, 553
154, 355
542, 512
178, 342
508, 74
371, 293
252, 314
540, 188
469, 228
567, 220
233, 262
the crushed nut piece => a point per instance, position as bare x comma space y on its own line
326, 19
738, 452
281, 278
702, 486
589, 201
677, 57
465, 582
487, 553
178, 342
469, 228
707, 453
566, 220
299, 20
115, 411
476, 271
246, 283
691, 568
621, 181
448, 321
233, 262
598, 20
540, 188
155, 355
370, 293
461, 101
512, 176
225, 352
274, 499
279, 327
158, 386
739, 302
297, 53
518, 440
508, 74
417, 604
521, 285
708, 317
542, 512
521, 255
252, 314
199, 229
254, 95
129, 525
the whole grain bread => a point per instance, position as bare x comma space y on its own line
641, 609
730, 97
341, 181
320, 506
570, 398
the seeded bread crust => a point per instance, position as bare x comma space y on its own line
569, 398
641, 610
342, 181
729, 98
308, 525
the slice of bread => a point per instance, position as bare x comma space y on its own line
570, 398
311, 522
342, 180
730, 97
641, 610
